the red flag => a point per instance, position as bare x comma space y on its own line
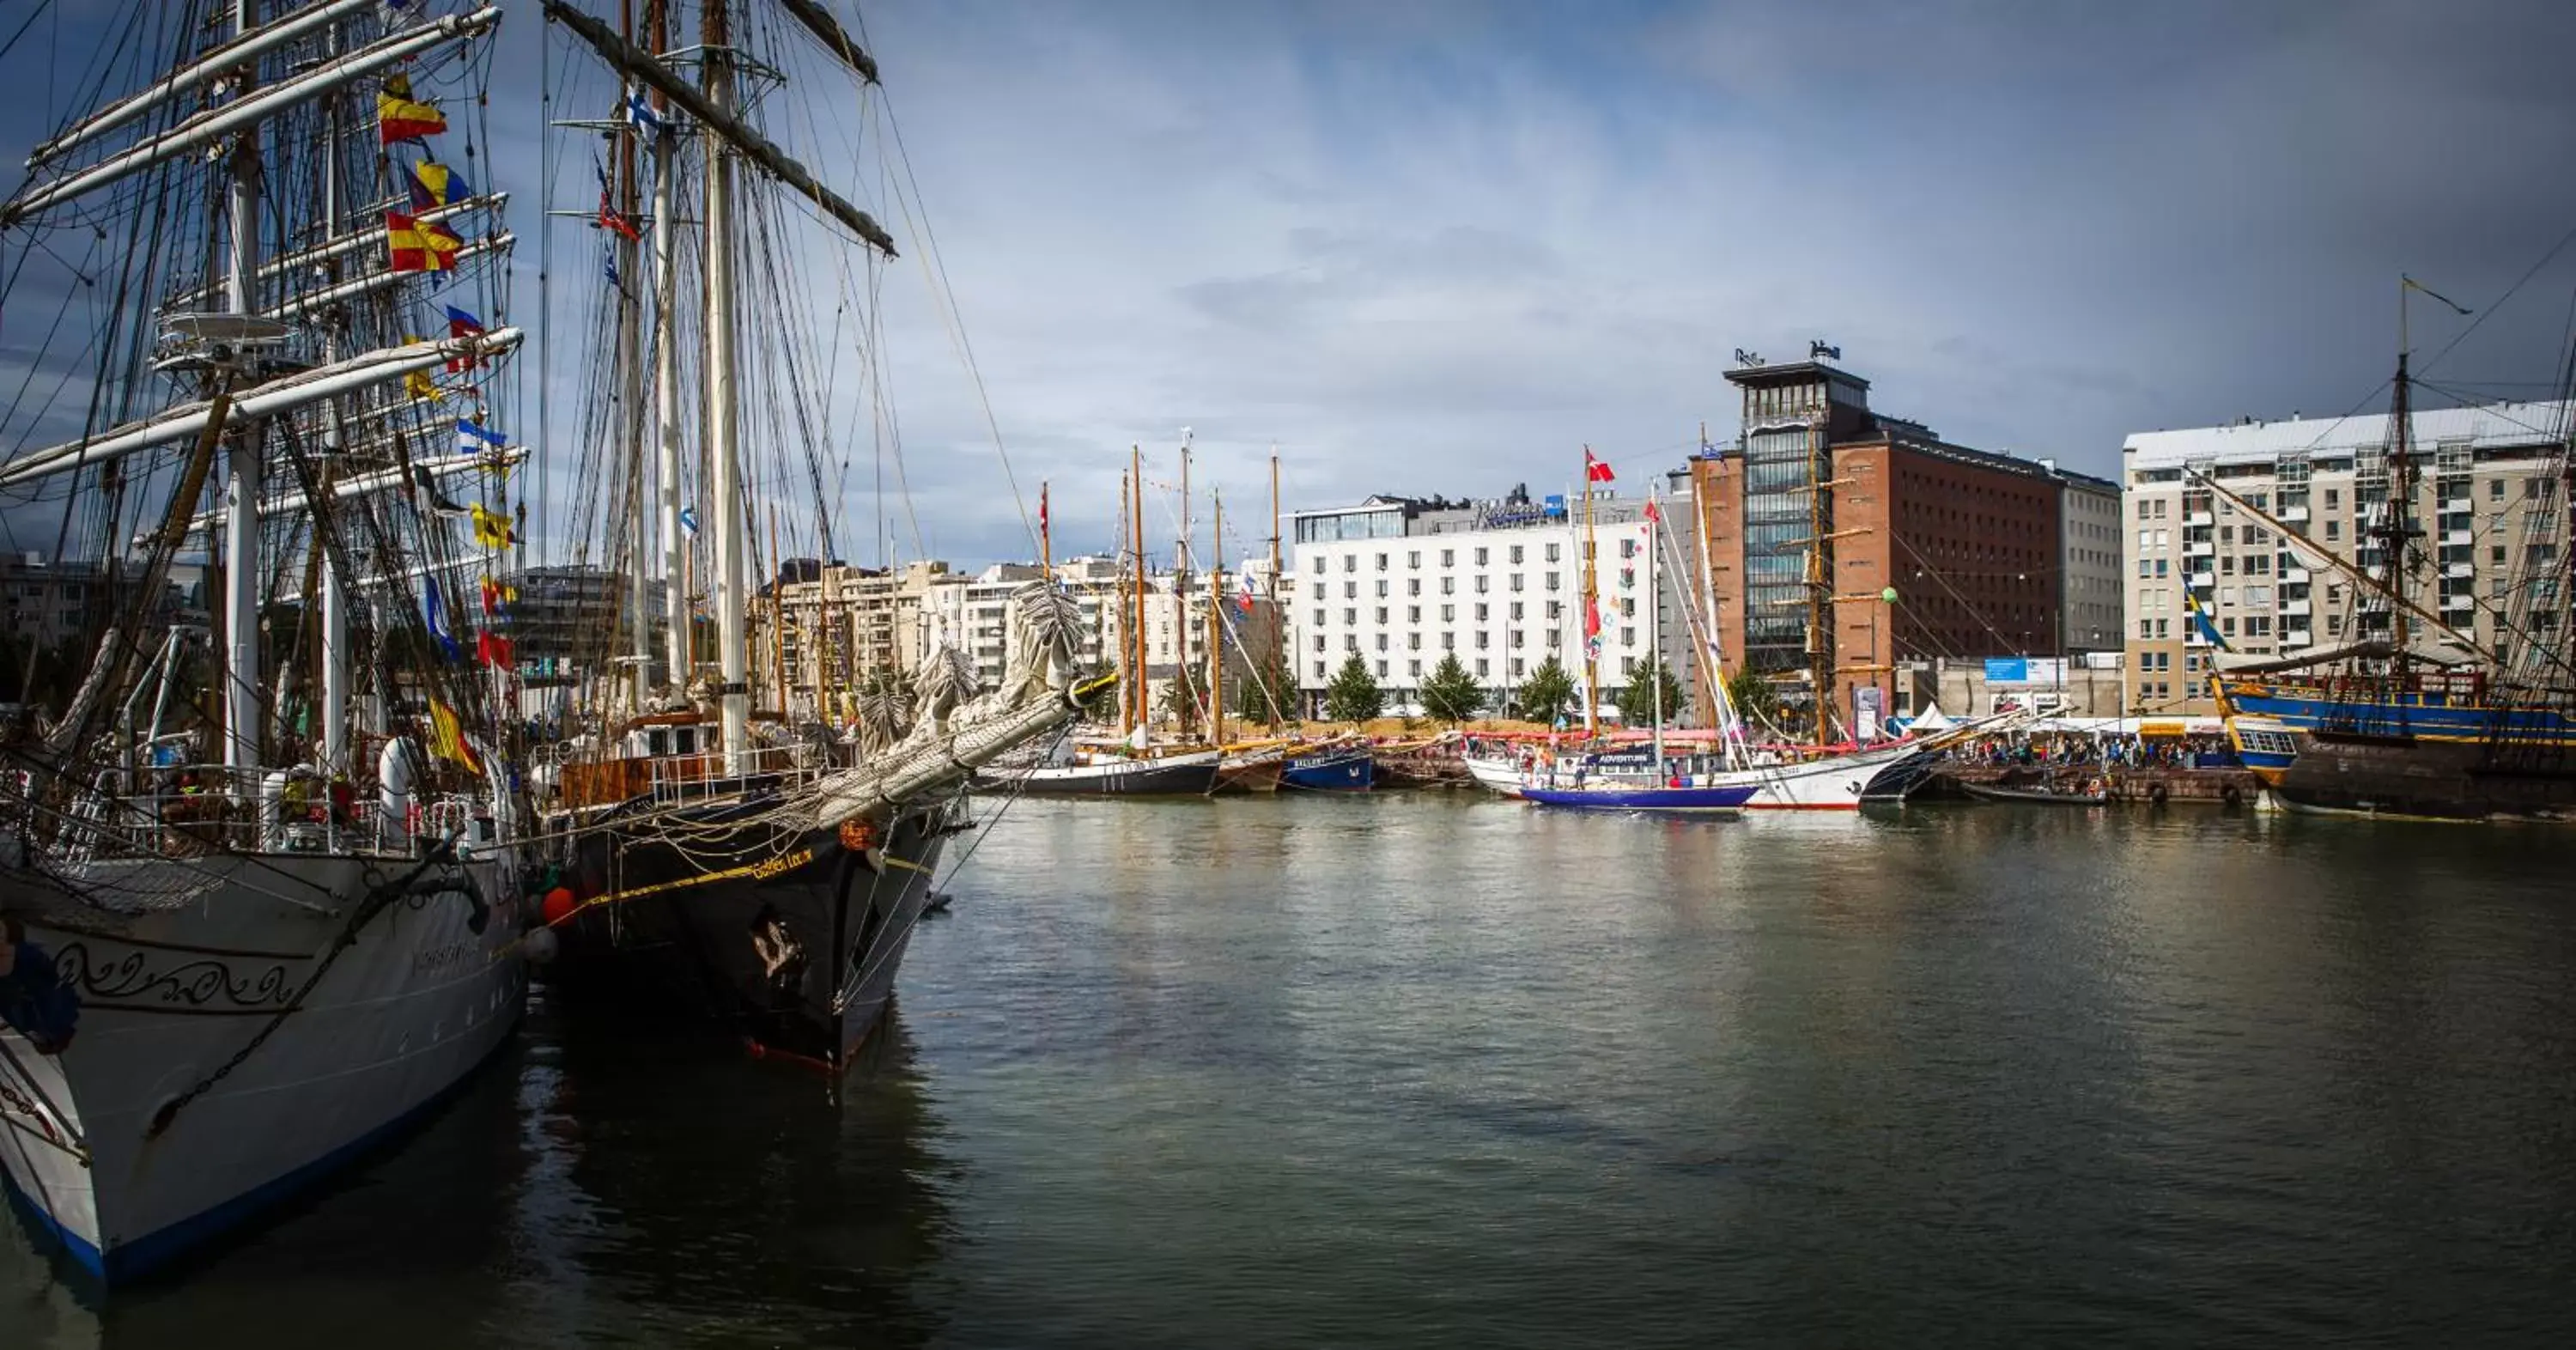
1591, 616
1596, 470
1653, 516
495, 650
1042, 510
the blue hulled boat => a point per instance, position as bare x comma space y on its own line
1350, 769
1610, 794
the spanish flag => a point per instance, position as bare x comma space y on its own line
420, 246
447, 737
434, 184
400, 118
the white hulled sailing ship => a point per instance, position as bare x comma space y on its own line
257, 872
768, 863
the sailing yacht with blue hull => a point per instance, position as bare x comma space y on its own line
1348, 770
253, 925
1612, 795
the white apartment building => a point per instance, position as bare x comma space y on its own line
2491, 511
1401, 583
2091, 588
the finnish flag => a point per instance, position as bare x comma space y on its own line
640, 115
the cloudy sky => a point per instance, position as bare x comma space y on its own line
1435, 248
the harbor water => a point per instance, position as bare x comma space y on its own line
1425, 1069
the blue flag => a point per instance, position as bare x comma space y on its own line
436, 612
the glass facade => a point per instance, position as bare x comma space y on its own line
1780, 471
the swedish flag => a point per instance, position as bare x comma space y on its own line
2200, 620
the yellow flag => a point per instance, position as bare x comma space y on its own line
491, 529
447, 737
417, 385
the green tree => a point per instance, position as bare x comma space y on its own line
1181, 699
1637, 702
1546, 692
1353, 696
1450, 694
1754, 698
1272, 681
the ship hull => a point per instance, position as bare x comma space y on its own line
1691, 800
1176, 776
183, 1017
791, 937
2416, 756
1342, 771
1500, 776
1834, 783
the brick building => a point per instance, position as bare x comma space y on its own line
1821, 493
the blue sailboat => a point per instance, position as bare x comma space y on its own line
1350, 768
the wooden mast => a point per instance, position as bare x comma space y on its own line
1279, 700
1126, 626
1136, 628
1216, 623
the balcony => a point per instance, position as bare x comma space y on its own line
2460, 602
2297, 609
2297, 637
2199, 548
2193, 637
2201, 581
2199, 518
2456, 538
2294, 576
2459, 569
2455, 506
2294, 514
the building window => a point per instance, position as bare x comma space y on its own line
1319, 617
1551, 581
1381, 640
1627, 637
1319, 642
1413, 558
1448, 557
2164, 628
1381, 670
1319, 670
2162, 569
1448, 642
2142, 567
2227, 534
1627, 607
1381, 614
1516, 553
1318, 560
1413, 613
1350, 590
1480, 557
1413, 586
1516, 610
1413, 668
1482, 611
1381, 590
1350, 616
2146, 629
1516, 637
1483, 667
2334, 498
1627, 548
1516, 667
2495, 489
1555, 610
1413, 642
1516, 581
1448, 585
1381, 562
1350, 562
1481, 579
1483, 639
2334, 529
1553, 550
1448, 612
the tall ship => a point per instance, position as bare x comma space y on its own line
710, 839
260, 893
2463, 708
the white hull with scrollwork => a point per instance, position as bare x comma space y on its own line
196, 1088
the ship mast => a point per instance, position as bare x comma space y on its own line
335, 587
241, 466
630, 384
1591, 608
724, 450
1144, 717
666, 379
1181, 596
1216, 624
1279, 698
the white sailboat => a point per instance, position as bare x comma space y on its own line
260, 898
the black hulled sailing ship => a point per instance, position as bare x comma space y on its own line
770, 870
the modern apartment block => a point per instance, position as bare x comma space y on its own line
1988, 554
2490, 513
1401, 582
